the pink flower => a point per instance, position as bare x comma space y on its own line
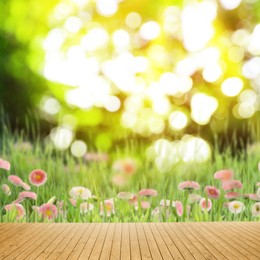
148, 192
205, 205
188, 185
25, 186
17, 208
27, 194
224, 175
212, 192
5, 165
96, 157
60, 204
254, 197
15, 180
125, 195
230, 185
144, 205
126, 166
179, 208
38, 177
73, 202
48, 211
6, 189
134, 200
108, 207
119, 180
232, 195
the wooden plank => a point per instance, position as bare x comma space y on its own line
32, 248
185, 229
251, 247
97, 249
234, 243
81, 243
58, 250
188, 250
246, 234
13, 229
20, 238
204, 240
134, 245
48, 250
105, 254
90, 243
116, 246
125, 245
155, 252
217, 242
165, 252
144, 249
67, 251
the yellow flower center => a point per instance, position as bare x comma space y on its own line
38, 177
236, 206
48, 212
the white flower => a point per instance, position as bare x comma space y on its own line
236, 207
256, 209
85, 207
80, 193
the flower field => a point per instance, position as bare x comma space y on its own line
38, 184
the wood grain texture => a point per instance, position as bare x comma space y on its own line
126, 241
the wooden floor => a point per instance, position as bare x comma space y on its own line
228, 240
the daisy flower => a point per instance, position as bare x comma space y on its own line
233, 184
179, 208
38, 177
224, 175
17, 181
5, 165
80, 192
126, 166
6, 189
108, 207
212, 192
17, 208
86, 207
125, 195
256, 209
188, 185
148, 192
48, 211
205, 205
236, 207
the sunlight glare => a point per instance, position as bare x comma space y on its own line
78, 148
178, 120
133, 20
202, 108
150, 30
230, 4
61, 137
232, 86
106, 7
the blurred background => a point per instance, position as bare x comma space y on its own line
91, 74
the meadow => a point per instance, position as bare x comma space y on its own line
124, 186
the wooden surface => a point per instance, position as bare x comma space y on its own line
217, 240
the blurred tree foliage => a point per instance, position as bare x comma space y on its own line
24, 26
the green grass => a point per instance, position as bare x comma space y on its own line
65, 172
